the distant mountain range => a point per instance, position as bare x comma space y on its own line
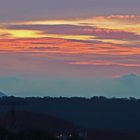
123, 86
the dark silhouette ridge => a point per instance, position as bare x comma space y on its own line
98, 117
96, 112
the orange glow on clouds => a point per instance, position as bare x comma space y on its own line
115, 35
117, 22
105, 63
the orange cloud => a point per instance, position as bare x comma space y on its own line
104, 63
115, 35
59, 45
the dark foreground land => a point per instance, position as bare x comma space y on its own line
75, 118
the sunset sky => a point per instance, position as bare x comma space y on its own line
69, 39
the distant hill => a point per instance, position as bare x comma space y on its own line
21, 120
2, 94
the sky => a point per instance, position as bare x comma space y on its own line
72, 41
